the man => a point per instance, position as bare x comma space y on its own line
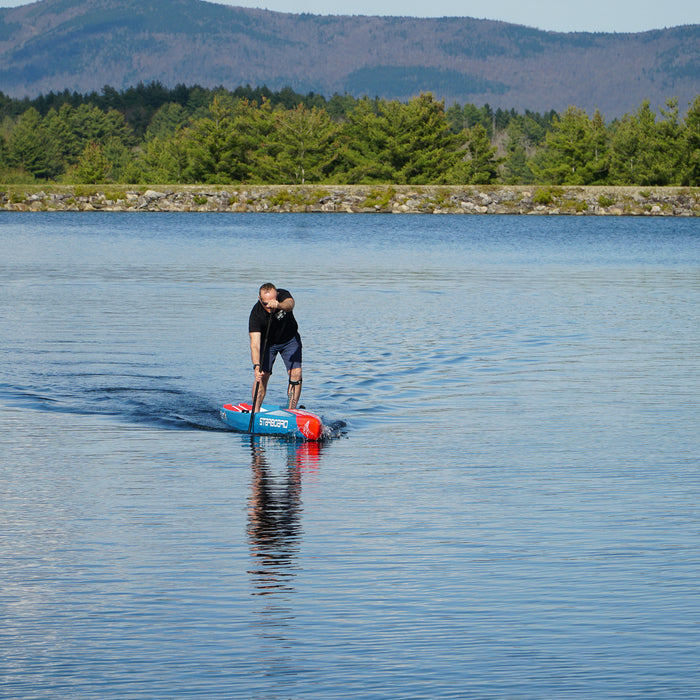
273, 329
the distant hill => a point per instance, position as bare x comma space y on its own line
83, 45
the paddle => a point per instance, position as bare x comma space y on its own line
263, 347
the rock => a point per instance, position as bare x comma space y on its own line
466, 200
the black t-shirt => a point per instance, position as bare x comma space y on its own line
283, 325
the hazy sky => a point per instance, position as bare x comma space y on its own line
556, 15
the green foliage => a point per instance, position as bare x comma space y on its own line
480, 165
646, 151
379, 199
574, 151
93, 165
392, 142
214, 147
525, 134
576, 205
30, 147
544, 196
151, 134
305, 144
690, 146
297, 197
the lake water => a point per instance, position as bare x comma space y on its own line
510, 510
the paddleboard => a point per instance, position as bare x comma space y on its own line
273, 420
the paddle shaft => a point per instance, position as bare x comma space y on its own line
263, 347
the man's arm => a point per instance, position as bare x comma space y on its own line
287, 305
255, 347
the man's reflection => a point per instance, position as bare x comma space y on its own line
274, 513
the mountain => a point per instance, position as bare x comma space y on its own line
83, 45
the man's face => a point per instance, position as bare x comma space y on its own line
266, 298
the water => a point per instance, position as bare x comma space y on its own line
509, 511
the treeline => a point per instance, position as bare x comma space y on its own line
152, 134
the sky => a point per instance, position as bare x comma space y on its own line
553, 15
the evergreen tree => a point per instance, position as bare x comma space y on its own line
690, 137
213, 146
61, 129
257, 135
600, 164
153, 163
93, 165
624, 152
392, 142
363, 143
419, 146
569, 154
670, 144
258, 145
480, 165
525, 135
30, 147
167, 120
438, 148
162, 161
306, 139
644, 151
516, 170
73, 129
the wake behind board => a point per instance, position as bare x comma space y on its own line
273, 420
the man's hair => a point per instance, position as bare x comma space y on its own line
267, 287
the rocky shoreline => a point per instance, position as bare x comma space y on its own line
404, 199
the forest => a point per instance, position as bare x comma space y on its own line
151, 134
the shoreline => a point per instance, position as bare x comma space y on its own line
395, 199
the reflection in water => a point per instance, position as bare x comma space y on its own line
274, 537
274, 513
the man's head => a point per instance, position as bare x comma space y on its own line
267, 293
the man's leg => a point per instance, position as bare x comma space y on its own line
294, 389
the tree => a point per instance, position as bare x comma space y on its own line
93, 165
624, 152
690, 137
363, 143
569, 154
525, 134
644, 151
392, 142
162, 160
73, 129
516, 169
258, 147
480, 165
339, 106
427, 150
213, 146
31, 148
306, 140
669, 141
600, 164
167, 120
